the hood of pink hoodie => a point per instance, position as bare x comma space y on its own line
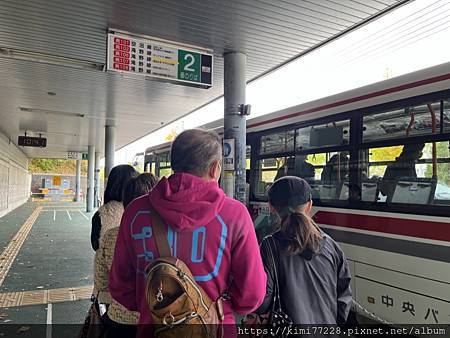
186, 201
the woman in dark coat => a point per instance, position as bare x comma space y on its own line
113, 206
313, 273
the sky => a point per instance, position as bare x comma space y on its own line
412, 37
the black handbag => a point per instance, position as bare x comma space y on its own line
93, 326
277, 317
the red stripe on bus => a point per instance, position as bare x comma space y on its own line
355, 99
398, 226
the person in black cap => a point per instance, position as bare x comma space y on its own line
311, 267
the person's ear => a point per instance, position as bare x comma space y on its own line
215, 170
309, 206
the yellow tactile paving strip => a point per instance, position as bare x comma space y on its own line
35, 297
9, 254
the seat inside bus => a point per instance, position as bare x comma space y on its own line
418, 191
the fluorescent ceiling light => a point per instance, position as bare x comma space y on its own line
36, 132
122, 117
24, 55
51, 112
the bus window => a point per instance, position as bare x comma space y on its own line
325, 172
407, 174
378, 160
330, 178
325, 135
412, 121
318, 161
268, 170
446, 117
278, 142
165, 172
163, 160
247, 156
153, 168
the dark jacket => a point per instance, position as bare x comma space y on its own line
314, 289
95, 231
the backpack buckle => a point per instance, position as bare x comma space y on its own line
181, 274
171, 317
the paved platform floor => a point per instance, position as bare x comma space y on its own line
45, 258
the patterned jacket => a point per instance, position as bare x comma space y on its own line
104, 257
110, 216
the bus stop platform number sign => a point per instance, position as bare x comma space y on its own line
228, 154
73, 155
159, 59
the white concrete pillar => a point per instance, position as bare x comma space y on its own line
110, 148
235, 122
97, 180
78, 182
90, 179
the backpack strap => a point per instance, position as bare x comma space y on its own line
160, 235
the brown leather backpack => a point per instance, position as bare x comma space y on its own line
174, 297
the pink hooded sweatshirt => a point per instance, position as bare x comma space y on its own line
212, 233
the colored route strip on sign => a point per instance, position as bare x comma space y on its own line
9, 254
35, 297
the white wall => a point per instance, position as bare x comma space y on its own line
15, 181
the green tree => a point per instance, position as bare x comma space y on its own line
380, 155
56, 166
443, 169
171, 135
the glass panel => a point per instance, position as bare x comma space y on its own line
331, 176
247, 157
326, 173
446, 116
165, 172
318, 161
405, 174
268, 170
325, 135
163, 159
400, 123
153, 168
279, 142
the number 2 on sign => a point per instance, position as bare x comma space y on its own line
187, 67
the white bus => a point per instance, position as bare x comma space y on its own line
378, 160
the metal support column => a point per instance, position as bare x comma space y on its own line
110, 148
97, 180
78, 182
90, 179
234, 125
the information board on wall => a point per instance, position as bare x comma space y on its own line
56, 181
73, 155
228, 154
28, 141
159, 59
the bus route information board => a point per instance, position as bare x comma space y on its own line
159, 59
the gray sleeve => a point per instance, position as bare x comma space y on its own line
344, 292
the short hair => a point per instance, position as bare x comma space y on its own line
138, 186
194, 150
116, 180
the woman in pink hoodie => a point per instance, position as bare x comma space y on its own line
212, 233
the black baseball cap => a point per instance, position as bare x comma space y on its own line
289, 191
